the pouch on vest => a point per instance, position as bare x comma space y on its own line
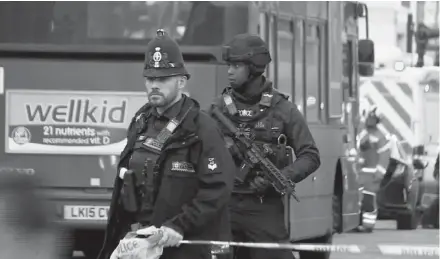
128, 192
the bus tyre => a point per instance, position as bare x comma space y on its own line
408, 222
327, 239
337, 213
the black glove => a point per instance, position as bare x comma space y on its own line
259, 184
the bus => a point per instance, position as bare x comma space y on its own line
71, 79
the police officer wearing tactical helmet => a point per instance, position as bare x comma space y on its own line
182, 168
270, 120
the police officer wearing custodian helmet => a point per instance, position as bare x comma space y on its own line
181, 166
269, 119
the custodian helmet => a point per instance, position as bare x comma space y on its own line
163, 57
249, 49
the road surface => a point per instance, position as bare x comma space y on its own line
385, 233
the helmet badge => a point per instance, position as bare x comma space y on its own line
157, 57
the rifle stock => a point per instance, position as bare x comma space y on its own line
280, 182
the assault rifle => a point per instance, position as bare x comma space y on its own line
255, 157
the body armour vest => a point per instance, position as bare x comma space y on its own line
143, 161
260, 123
145, 173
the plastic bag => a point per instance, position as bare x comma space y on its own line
132, 247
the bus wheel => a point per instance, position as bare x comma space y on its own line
410, 220
337, 213
327, 239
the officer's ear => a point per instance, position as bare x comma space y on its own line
182, 80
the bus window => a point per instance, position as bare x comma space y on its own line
347, 68
323, 74
312, 70
117, 23
299, 65
285, 45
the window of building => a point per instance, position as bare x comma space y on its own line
312, 73
285, 48
298, 98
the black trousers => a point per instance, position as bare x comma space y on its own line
431, 216
256, 220
186, 252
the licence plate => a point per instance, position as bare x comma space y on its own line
86, 212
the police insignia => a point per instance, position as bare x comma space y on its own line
153, 143
212, 165
157, 57
245, 113
182, 167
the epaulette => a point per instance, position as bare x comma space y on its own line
284, 95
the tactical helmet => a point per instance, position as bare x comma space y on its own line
249, 49
163, 57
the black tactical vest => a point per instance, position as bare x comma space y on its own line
260, 123
143, 151
146, 151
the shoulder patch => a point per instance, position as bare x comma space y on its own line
212, 165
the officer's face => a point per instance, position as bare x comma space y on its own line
238, 73
162, 91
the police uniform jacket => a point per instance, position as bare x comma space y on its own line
192, 202
283, 117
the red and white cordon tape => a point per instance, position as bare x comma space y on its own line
388, 249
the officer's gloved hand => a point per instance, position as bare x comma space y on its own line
170, 238
152, 234
259, 184
139, 245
